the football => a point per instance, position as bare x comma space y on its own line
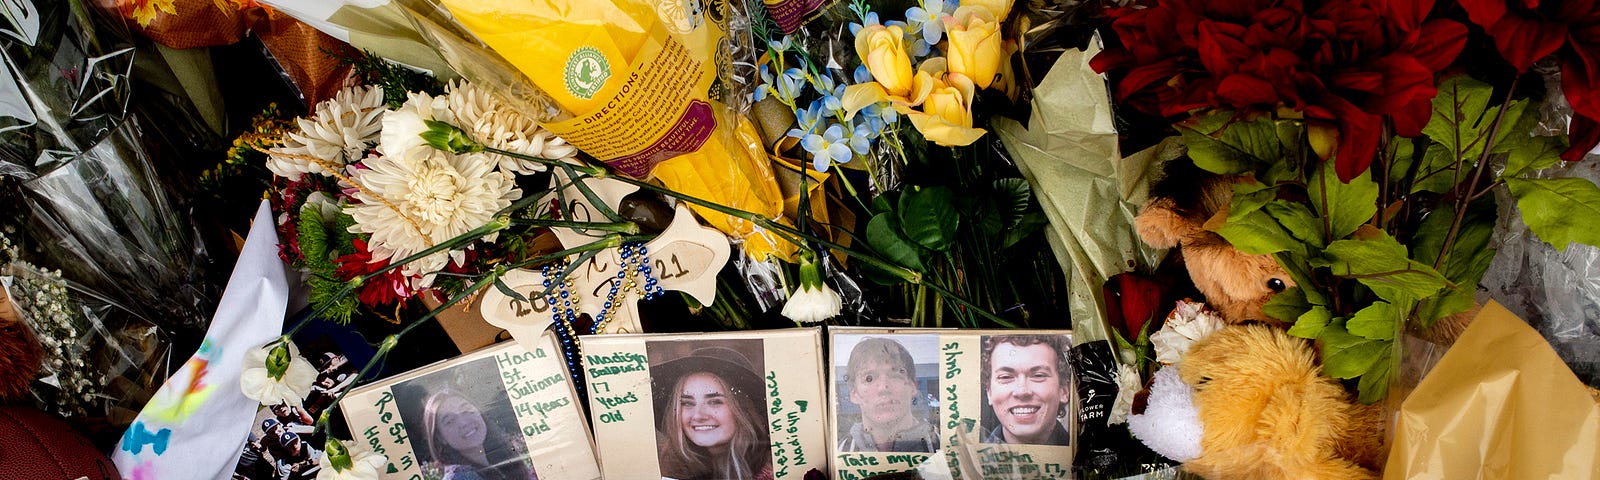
38, 446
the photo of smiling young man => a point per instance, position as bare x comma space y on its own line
1026, 389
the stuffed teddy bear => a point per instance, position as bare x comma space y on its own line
1234, 283
1267, 414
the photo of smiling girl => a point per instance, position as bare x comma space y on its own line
710, 423
461, 424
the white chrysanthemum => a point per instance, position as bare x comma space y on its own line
497, 125
403, 127
445, 194
1190, 322
339, 132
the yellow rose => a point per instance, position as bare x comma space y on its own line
976, 48
883, 50
1000, 8
946, 116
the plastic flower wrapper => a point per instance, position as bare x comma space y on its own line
1068, 151
101, 362
637, 88
77, 144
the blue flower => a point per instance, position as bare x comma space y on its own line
791, 85
926, 20
872, 19
862, 75
880, 115
807, 120
861, 138
828, 148
766, 84
781, 45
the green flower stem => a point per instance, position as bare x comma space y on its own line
588, 194
1464, 199
903, 273
618, 227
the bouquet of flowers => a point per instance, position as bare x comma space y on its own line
1368, 148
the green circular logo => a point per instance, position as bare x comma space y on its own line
587, 71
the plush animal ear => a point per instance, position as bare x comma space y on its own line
1161, 225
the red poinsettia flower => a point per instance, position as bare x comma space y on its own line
1527, 30
1350, 63
384, 289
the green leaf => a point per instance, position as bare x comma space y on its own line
1300, 270
1346, 205
1287, 306
1462, 118
1298, 220
1014, 197
500, 284
1292, 138
1256, 233
1376, 322
1379, 262
883, 233
928, 216
1237, 148
1436, 171
1249, 196
1468, 260
1311, 323
1404, 154
1349, 356
1374, 385
1029, 225
1537, 153
1559, 210
1453, 301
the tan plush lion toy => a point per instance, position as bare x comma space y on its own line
1235, 284
1248, 401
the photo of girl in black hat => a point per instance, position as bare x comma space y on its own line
710, 423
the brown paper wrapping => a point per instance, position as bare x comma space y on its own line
1499, 405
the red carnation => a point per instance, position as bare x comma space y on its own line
1527, 30
384, 289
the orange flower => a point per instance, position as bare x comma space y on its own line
144, 11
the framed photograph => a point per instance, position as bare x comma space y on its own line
988, 403
281, 444
745, 405
500, 413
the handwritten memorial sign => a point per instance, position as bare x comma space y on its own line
652, 395
975, 403
521, 395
